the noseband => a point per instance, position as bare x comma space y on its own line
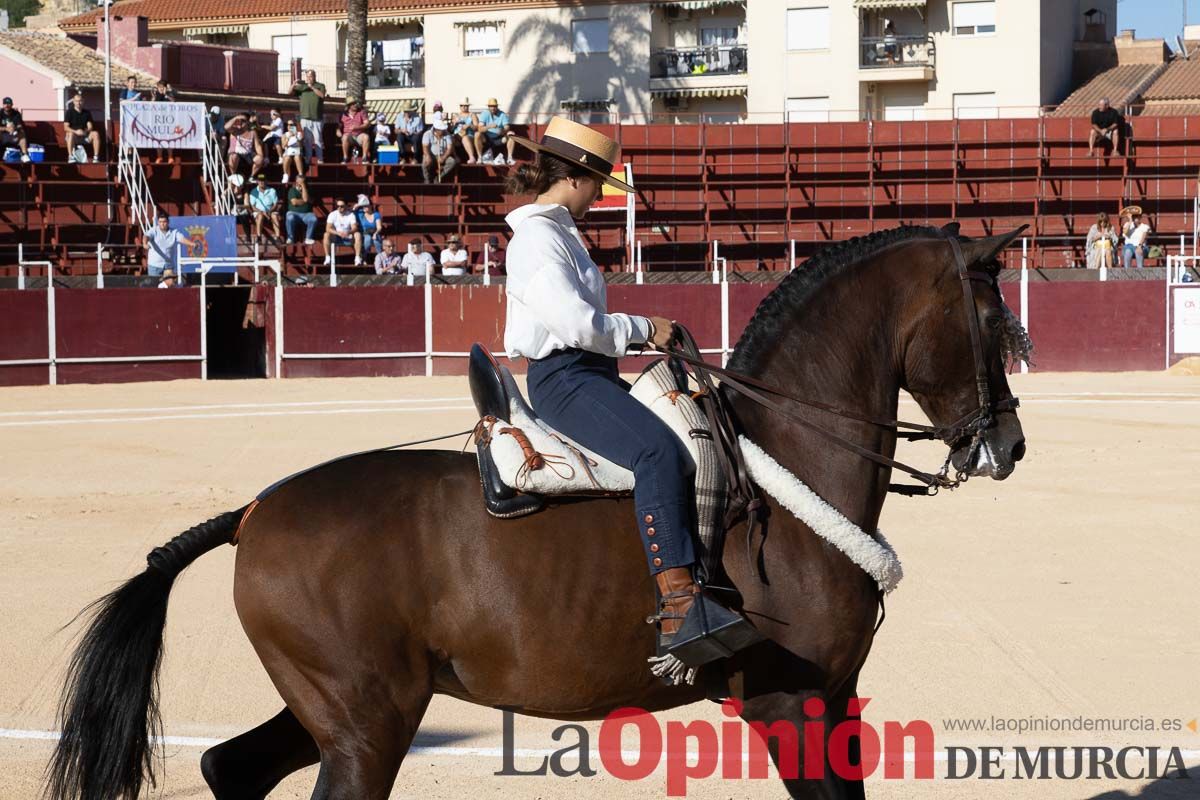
972, 425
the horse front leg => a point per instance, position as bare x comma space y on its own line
796, 727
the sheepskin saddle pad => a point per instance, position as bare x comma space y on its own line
522, 458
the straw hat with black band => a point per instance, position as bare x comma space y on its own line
580, 145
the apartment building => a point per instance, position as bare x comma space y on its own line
712, 60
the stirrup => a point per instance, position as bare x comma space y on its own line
710, 632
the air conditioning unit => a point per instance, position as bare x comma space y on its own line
870, 89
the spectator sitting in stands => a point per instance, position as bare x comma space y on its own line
409, 129
354, 129
341, 229
438, 113
493, 134
168, 279
293, 150
300, 212
388, 261
370, 224
131, 91
492, 260
80, 129
383, 131
163, 93
273, 135
1107, 123
264, 203
1101, 244
439, 157
161, 242
416, 261
464, 128
1136, 231
12, 129
244, 144
455, 260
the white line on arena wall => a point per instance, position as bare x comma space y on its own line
630, 756
171, 417
296, 404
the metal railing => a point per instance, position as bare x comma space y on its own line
403, 74
216, 172
133, 176
679, 62
889, 52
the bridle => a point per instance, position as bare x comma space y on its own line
974, 424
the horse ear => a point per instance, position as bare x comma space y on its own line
950, 229
984, 251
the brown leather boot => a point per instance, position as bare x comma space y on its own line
677, 591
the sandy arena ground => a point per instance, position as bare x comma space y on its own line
1069, 590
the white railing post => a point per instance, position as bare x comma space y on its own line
332, 264
716, 251
51, 325
428, 326
203, 320
1024, 292
487, 256
99, 266
638, 278
20, 265
792, 254
278, 319
724, 323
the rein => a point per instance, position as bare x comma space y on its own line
973, 424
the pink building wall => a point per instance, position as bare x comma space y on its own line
32, 92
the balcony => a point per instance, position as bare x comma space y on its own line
405, 74
896, 58
713, 70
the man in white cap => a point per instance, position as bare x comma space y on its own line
438, 147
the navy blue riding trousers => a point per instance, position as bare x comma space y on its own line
581, 395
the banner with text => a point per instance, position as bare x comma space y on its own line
171, 126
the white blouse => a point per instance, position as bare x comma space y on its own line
556, 294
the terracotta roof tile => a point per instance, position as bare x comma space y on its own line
1121, 85
1172, 110
160, 11
1180, 81
76, 62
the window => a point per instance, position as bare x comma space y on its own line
718, 36
808, 109
975, 18
808, 28
976, 105
589, 35
290, 47
481, 40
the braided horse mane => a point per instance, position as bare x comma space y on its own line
804, 282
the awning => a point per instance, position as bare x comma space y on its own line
698, 5
586, 105
211, 29
393, 106
398, 19
700, 91
872, 4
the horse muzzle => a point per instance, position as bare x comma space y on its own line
995, 456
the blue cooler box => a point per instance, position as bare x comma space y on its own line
37, 153
389, 154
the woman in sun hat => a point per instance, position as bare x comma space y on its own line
558, 319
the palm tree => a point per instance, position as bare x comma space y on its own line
356, 49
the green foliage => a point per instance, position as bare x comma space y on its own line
18, 10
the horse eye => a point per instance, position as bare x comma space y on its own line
994, 322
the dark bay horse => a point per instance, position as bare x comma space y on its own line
362, 611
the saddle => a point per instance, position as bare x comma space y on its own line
523, 460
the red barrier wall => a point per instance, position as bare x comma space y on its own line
353, 319
105, 323
463, 315
24, 336
1101, 327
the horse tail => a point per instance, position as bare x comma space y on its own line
109, 717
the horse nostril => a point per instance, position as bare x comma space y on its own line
1018, 451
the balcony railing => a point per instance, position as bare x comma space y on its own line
680, 62
890, 52
406, 74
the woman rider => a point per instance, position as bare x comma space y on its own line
558, 319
